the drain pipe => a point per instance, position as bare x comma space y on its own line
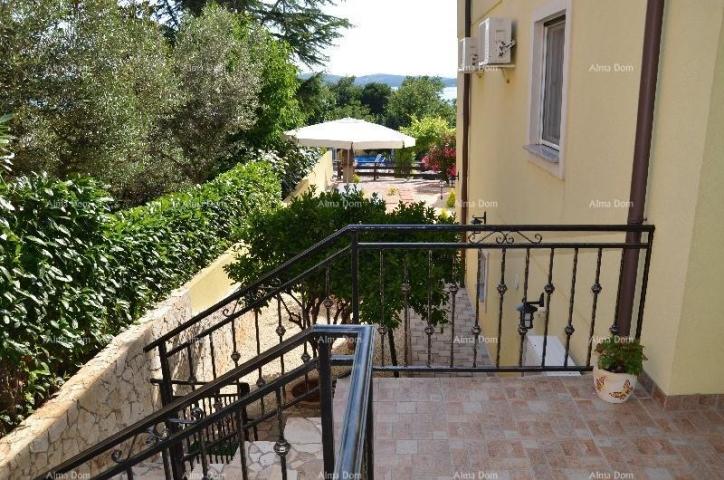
642, 154
466, 125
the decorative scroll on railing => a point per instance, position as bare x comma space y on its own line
409, 281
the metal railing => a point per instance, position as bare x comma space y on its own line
410, 283
408, 280
186, 437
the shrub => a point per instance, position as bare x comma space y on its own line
441, 158
404, 159
77, 274
274, 237
167, 241
428, 132
450, 202
289, 162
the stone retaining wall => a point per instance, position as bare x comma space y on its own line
107, 394
113, 390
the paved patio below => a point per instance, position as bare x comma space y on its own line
536, 427
396, 190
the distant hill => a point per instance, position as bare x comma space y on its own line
391, 80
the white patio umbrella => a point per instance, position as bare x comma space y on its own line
350, 134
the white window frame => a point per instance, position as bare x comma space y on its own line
550, 157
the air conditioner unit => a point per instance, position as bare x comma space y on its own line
496, 41
467, 54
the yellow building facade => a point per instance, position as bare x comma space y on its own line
588, 180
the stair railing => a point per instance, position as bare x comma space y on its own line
184, 435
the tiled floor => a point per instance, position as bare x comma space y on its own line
395, 190
461, 338
536, 427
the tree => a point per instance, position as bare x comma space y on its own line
5, 137
417, 97
219, 90
315, 98
276, 236
301, 24
427, 131
87, 83
346, 92
278, 107
348, 97
375, 97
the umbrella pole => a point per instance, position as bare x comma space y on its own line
348, 170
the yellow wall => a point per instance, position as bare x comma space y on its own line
698, 352
505, 181
212, 284
319, 178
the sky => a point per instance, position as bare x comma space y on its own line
404, 37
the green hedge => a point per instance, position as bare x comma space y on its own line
73, 274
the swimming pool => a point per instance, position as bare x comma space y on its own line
370, 160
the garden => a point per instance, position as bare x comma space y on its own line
139, 141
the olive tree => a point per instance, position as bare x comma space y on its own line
219, 88
86, 82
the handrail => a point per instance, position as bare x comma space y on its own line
178, 404
214, 386
455, 227
259, 301
244, 290
396, 228
357, 411
175, 438
366, 228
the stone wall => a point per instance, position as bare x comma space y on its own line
113, 390
107, 394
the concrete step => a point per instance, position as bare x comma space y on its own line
304, 460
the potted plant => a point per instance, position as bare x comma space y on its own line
620, 361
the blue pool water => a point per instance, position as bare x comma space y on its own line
369, 160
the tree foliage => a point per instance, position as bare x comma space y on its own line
428, 131
87, 82
375, 96
219, 89
315, 99
278, 108
74, 274
348, 101
418, 97
276, 236
96, 89
301, 24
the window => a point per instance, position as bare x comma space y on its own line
550, 41
552, 88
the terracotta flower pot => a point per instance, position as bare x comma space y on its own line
613, 387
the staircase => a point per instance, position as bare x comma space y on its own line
304, 460
229, 368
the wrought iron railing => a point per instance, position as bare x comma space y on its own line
443, 298
186, 436
409, 279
